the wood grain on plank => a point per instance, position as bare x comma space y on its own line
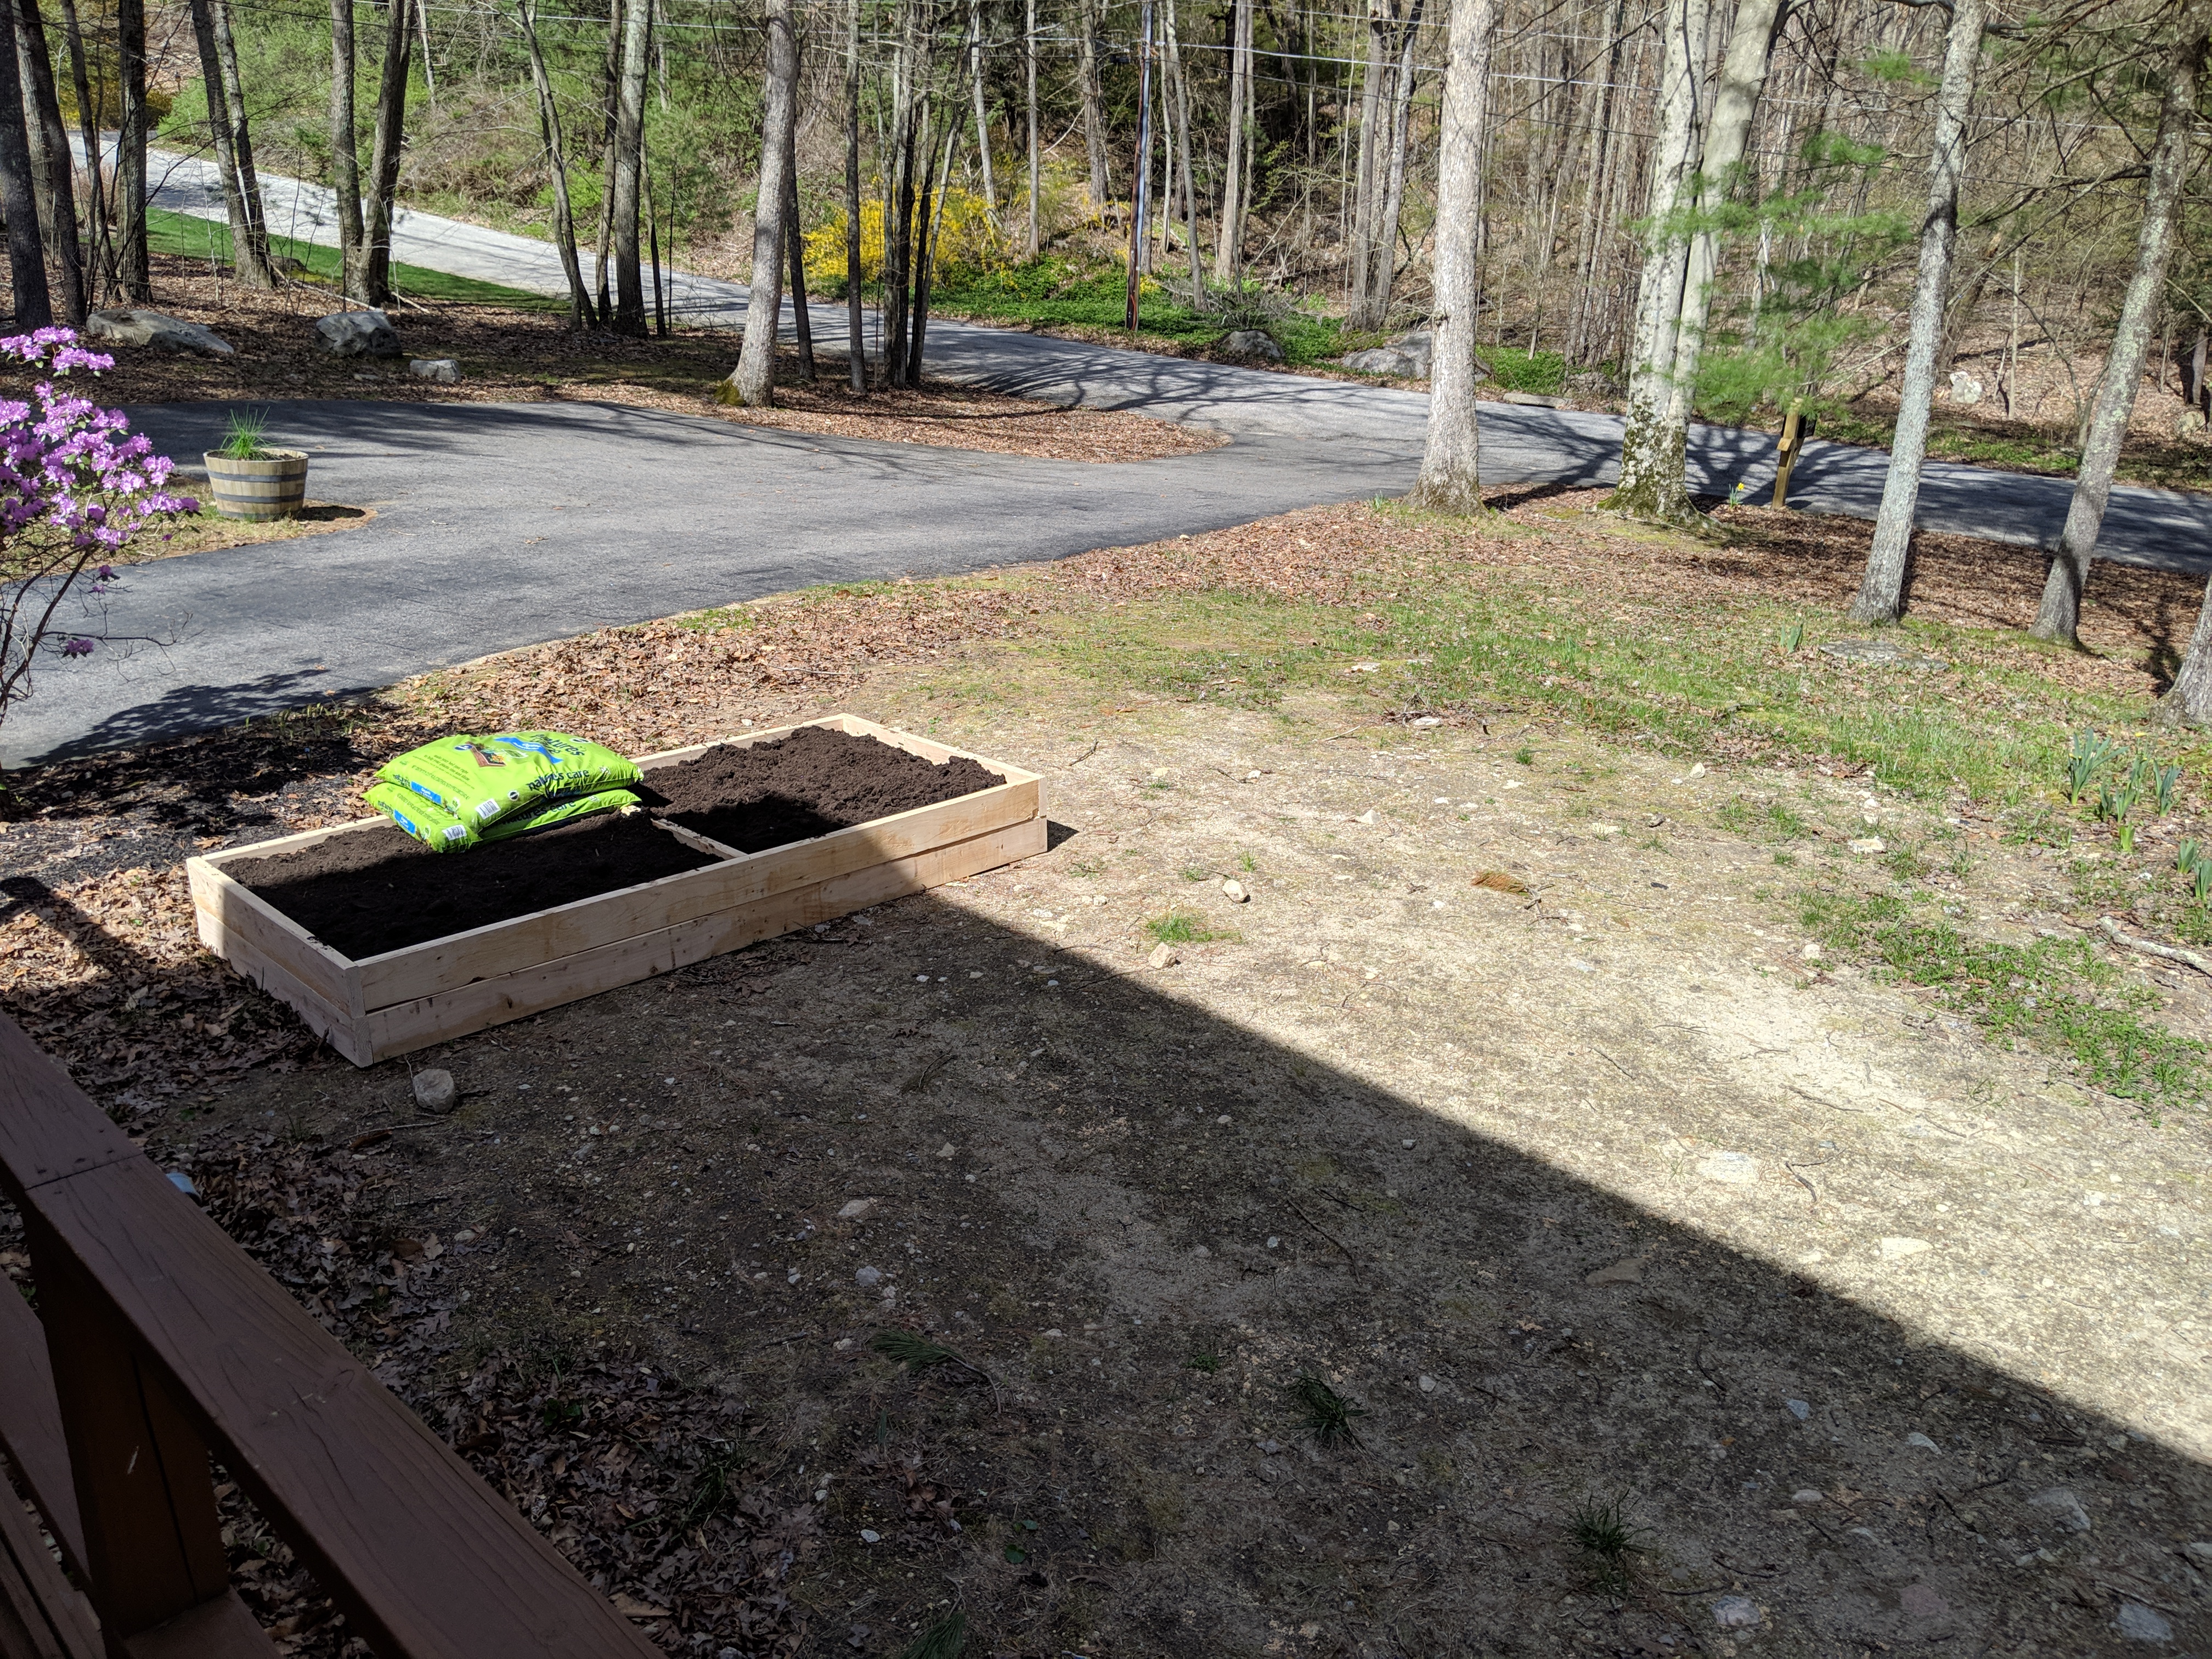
408, 1026
37, 1143
333, 1025
423, 1558
219, 1629
244, 913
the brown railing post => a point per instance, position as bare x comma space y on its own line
153, 1545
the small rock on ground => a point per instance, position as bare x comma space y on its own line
2139, 1624
1734, 1169
1163, 955
446, 371
435, 1090
1735, 1613
1253, 342
2064, 1508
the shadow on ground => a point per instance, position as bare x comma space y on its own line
1142, 1225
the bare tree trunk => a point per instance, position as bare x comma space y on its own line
898, 213
1645, 489
87, 117
556, 162
1881, 592
45, 115
2059, 616
1140, 174
982, 121
629, 170
795, 242
1094, 101
1360, 240
1451, 472
1030, 55
856, 339
1183, 163
610, 154
134, 275
754, 378
925, 234
345, 157
1720, 175
1394, 190
384, 153
19, 203
242, 135
1228, 241
248, 262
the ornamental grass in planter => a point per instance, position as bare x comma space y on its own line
249, 479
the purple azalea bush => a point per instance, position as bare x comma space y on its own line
76, 485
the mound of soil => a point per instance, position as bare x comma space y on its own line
381, 890
816, 779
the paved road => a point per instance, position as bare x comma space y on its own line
503, 525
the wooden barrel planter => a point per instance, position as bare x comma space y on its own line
270, 488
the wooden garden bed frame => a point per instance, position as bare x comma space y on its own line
426, 993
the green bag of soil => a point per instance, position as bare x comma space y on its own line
483, 780
441, 832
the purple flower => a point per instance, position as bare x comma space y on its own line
77, 647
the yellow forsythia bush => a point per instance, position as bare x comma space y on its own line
966, 234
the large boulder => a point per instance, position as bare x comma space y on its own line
1252, 343
1418, 347
152, 328
357, 334
1386, 360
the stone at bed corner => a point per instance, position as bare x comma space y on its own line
357, 334
152, 328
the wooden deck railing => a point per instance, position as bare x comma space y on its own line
157, 1344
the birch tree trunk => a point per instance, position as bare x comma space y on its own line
2059, 617
1719, 176
19, 203
133, 273
96, 217
557, 163
856, 339
610, 158
247, 261
345, 156
1451, 476
1394, 190
1881, 592
1645, 489
982, 123
44, 114
629, 166
1228, 241
1094, 102
1183, 164
754, 377
1030, 55
384, 153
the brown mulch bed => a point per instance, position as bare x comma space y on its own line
526, 357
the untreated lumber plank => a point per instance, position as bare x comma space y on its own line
31, 1423
423, 1558
524, 942
333, 1025
408, 1026
246, 915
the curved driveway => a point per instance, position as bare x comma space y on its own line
500, 526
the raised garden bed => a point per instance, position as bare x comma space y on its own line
384, 947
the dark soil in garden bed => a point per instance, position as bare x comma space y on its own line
815, 781
381, 890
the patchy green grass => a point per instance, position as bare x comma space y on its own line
2057, 994
1183, 927
204, 239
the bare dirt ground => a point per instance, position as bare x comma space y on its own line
1617, 1195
